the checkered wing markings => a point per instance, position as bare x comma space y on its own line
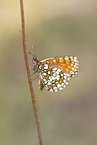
68, 64
53, 78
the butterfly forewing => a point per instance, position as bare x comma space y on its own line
68, 64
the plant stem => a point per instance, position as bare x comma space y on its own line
28, 72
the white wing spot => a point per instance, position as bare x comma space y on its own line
40, 66
54, 69
44, 74
66, 83
44, 79
71, 57
68, 78
75, 72
64, 86
59, 70
60, 88
58, 85
75, 58
45, 82
49, 72
54, 74
45, 66
65, 77
55, 88
57, 78
50, 78
49, 83
51, 90
53, 78
66, 57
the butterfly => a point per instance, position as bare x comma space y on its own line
55, 73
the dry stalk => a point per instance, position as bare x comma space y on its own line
28, 72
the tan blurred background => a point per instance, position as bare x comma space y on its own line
55, 28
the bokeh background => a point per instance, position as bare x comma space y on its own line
55, 28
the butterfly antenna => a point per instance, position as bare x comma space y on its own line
33, 50
31, 53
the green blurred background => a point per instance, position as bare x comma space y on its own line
55, 28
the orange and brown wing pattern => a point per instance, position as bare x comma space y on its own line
55, 73
52, 78
68, 64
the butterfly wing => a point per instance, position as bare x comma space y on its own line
68, 64
53, 78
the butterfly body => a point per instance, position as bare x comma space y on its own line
37, 66
55, 73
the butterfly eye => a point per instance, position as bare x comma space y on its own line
34, 60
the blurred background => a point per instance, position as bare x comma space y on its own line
55, 28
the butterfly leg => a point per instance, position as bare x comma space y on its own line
35, 78
41, 85
31, 67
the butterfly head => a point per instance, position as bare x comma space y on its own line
35, 60
36, 64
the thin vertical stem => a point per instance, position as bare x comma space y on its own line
28, 72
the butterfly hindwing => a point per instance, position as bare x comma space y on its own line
53, 78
